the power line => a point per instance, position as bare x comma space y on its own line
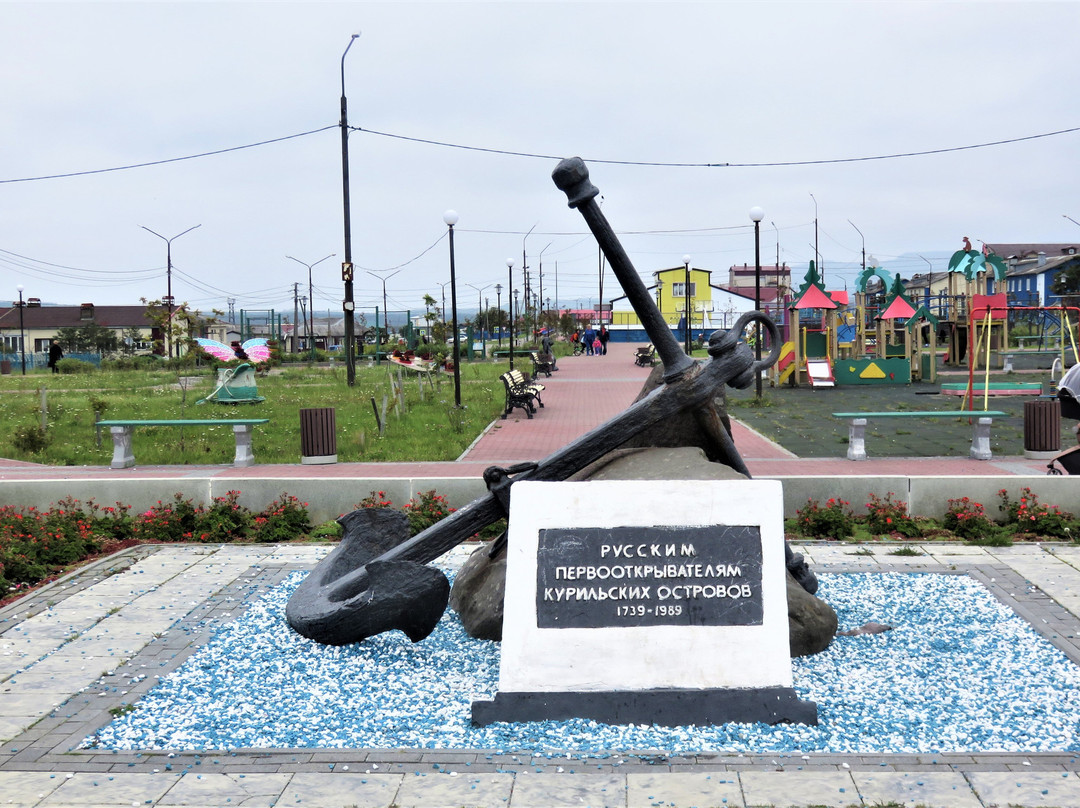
777, 164
169, 159
536, 155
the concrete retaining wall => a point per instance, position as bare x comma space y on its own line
329, 497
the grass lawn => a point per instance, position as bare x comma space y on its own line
427, 428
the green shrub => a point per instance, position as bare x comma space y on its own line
73, 366
889, 516
425, 509
833, 520
30, 439
284, 519
1029, 516
967, 519
167, 521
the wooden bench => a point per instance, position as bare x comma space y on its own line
980, 439
645, 357
121, 434
542, 363
520, 392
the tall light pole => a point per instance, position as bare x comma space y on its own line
22, 331
1071, 219
451, 218
386, 323
311, 299
857, 230
686, 297
540, 275
510, 305
498, 306
776, 299
817, 253
480, 312
347, 265
756, 215
525, 273
168, 276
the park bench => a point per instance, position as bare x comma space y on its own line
542, 363
520, 392
645, 357
980, 439
121, 432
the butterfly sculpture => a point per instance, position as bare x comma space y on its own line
254, 350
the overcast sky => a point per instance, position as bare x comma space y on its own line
94, 86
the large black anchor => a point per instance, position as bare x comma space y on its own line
377, 580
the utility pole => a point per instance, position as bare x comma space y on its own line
295, 317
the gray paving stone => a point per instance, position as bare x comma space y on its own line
22, 788
341, 790
448, 791
1030, 789
682, 790
84, 788
794, 789
925, 789
545, 790
250, 790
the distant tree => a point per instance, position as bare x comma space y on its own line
1067, 284
89, 338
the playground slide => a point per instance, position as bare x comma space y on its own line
785, 365
820, 372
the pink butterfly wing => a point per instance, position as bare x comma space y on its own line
216, 349
257, 350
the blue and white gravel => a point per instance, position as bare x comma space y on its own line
960, 673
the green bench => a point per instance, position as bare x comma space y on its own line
980, 439
121, 432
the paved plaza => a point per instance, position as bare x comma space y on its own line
75, 652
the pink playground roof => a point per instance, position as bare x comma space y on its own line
898, 309
814, 298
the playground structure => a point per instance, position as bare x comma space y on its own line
891, 336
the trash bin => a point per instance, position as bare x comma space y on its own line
5, 367
1042, 428
318, 436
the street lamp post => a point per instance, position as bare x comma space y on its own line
510, 305
686, 297
857, 230
311, 300
386, 323
479, 316
22, 332
168, 281
451, 218
817, 253
498, 306
517, 308
347, 266
756, 215
776, 277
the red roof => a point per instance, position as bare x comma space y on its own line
899, 308
814, 298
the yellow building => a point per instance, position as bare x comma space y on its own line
678, 290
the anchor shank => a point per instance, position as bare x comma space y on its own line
572, 176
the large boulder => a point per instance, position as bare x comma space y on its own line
477, 595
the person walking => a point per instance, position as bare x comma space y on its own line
55, 355
589, 336
604, 337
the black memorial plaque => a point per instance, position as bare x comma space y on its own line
649, 576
